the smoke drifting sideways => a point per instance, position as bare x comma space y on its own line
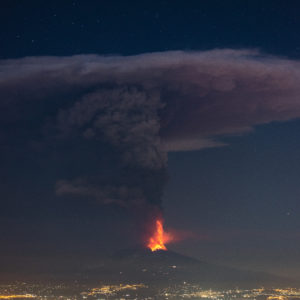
103, 125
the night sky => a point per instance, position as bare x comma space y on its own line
189, 106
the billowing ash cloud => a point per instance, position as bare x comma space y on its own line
114, 118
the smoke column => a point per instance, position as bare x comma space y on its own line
117, 117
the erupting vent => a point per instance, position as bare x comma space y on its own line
159, 238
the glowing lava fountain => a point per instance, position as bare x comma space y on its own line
159, 238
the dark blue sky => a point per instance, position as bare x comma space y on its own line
244, 198
74, 27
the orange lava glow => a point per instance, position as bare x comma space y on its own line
159, 238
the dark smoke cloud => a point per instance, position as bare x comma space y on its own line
115, 118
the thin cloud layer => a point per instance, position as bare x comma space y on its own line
131, 111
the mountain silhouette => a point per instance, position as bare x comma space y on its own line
165, 267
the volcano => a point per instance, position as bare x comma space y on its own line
167, 267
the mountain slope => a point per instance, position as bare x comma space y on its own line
163, 267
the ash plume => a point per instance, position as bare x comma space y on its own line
108, 122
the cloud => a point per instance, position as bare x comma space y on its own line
120, 195
127, 112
